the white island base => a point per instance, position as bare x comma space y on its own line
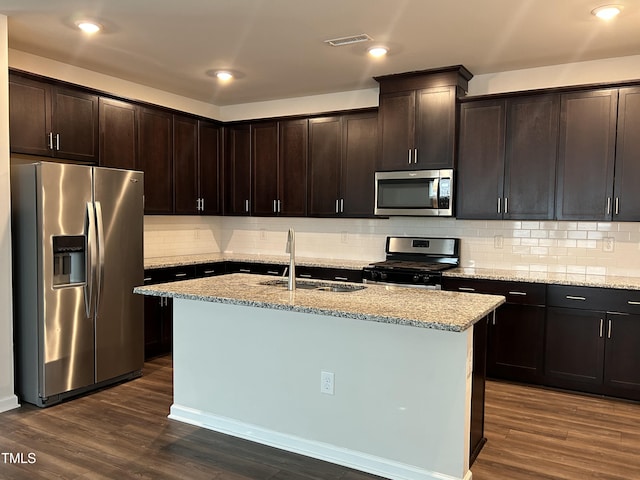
401, 405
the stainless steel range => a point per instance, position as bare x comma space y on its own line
415, 262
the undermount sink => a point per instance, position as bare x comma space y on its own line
320, 286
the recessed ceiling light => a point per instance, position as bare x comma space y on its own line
87, 26
224, 75
378, 51
607, 12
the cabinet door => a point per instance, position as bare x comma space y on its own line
264, 152
516, 340
155, 159
75, 125
118, 132
574, 350
209, 155
481, 160
237, 173
622, 355
292, 167
530, 157
324, 165
185, 165
627, 175
153, 312
586, 155
359, 137
396, 127
29, 116
435, 130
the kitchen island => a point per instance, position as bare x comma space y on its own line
250, 360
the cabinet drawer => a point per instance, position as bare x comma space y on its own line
210, 269
522, 293
321, 273
169, 274
585, 298
255, 268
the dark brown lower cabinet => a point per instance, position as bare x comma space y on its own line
593, 340
478, 381
158, 326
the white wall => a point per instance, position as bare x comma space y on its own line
7, 398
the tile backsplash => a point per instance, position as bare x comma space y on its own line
598, 248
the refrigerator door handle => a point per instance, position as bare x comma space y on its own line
100, 231
91, 259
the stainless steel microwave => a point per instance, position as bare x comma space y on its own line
414, 192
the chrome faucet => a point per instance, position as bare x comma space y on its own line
291, 250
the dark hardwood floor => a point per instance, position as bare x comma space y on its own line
123, 433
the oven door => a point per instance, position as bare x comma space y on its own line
415, 193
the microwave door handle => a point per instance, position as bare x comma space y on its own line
436, 190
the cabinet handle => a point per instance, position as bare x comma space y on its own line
244, 270
209, 272
246, 205
601, 325
197, 204
632, 302
275, 206
466, 289
50, 141
609, 329
506, 205
415, 155
337, 206
522, 294
344, 279
617, 205
342, 205
493, 320
304, 275
499, 205
202, 204
177, 275
148, 279
608, 205
57, 141
279, 206
573, 297
273, 272
409, 162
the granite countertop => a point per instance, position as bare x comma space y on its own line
451, 311
572, 279
181, 260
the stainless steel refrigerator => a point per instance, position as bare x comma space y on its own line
77, 255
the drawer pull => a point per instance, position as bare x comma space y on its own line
181, 275
573, 297
522, 294
633, 302
466, 289
344, 279
601, 326
148, 279
244, 270
272, 272
209, 272
609, 330
304, 275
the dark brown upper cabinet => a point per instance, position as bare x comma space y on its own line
626, 204
237, 170
209, 167
586, 155
155, 159
342, 155
418, 118
118, 134
507, 162
264, 159
52, 120
185, 165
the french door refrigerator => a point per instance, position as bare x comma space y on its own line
77, 255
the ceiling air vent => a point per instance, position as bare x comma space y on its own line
338, 42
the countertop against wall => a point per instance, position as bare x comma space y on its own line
575, 279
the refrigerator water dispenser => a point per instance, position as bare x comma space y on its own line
69, 253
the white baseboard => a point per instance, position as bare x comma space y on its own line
322, 451
8, 403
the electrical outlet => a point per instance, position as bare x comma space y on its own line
326, 383
498, 241
608, 244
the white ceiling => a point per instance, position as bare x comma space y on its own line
278, 49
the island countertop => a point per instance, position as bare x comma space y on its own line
452, 311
